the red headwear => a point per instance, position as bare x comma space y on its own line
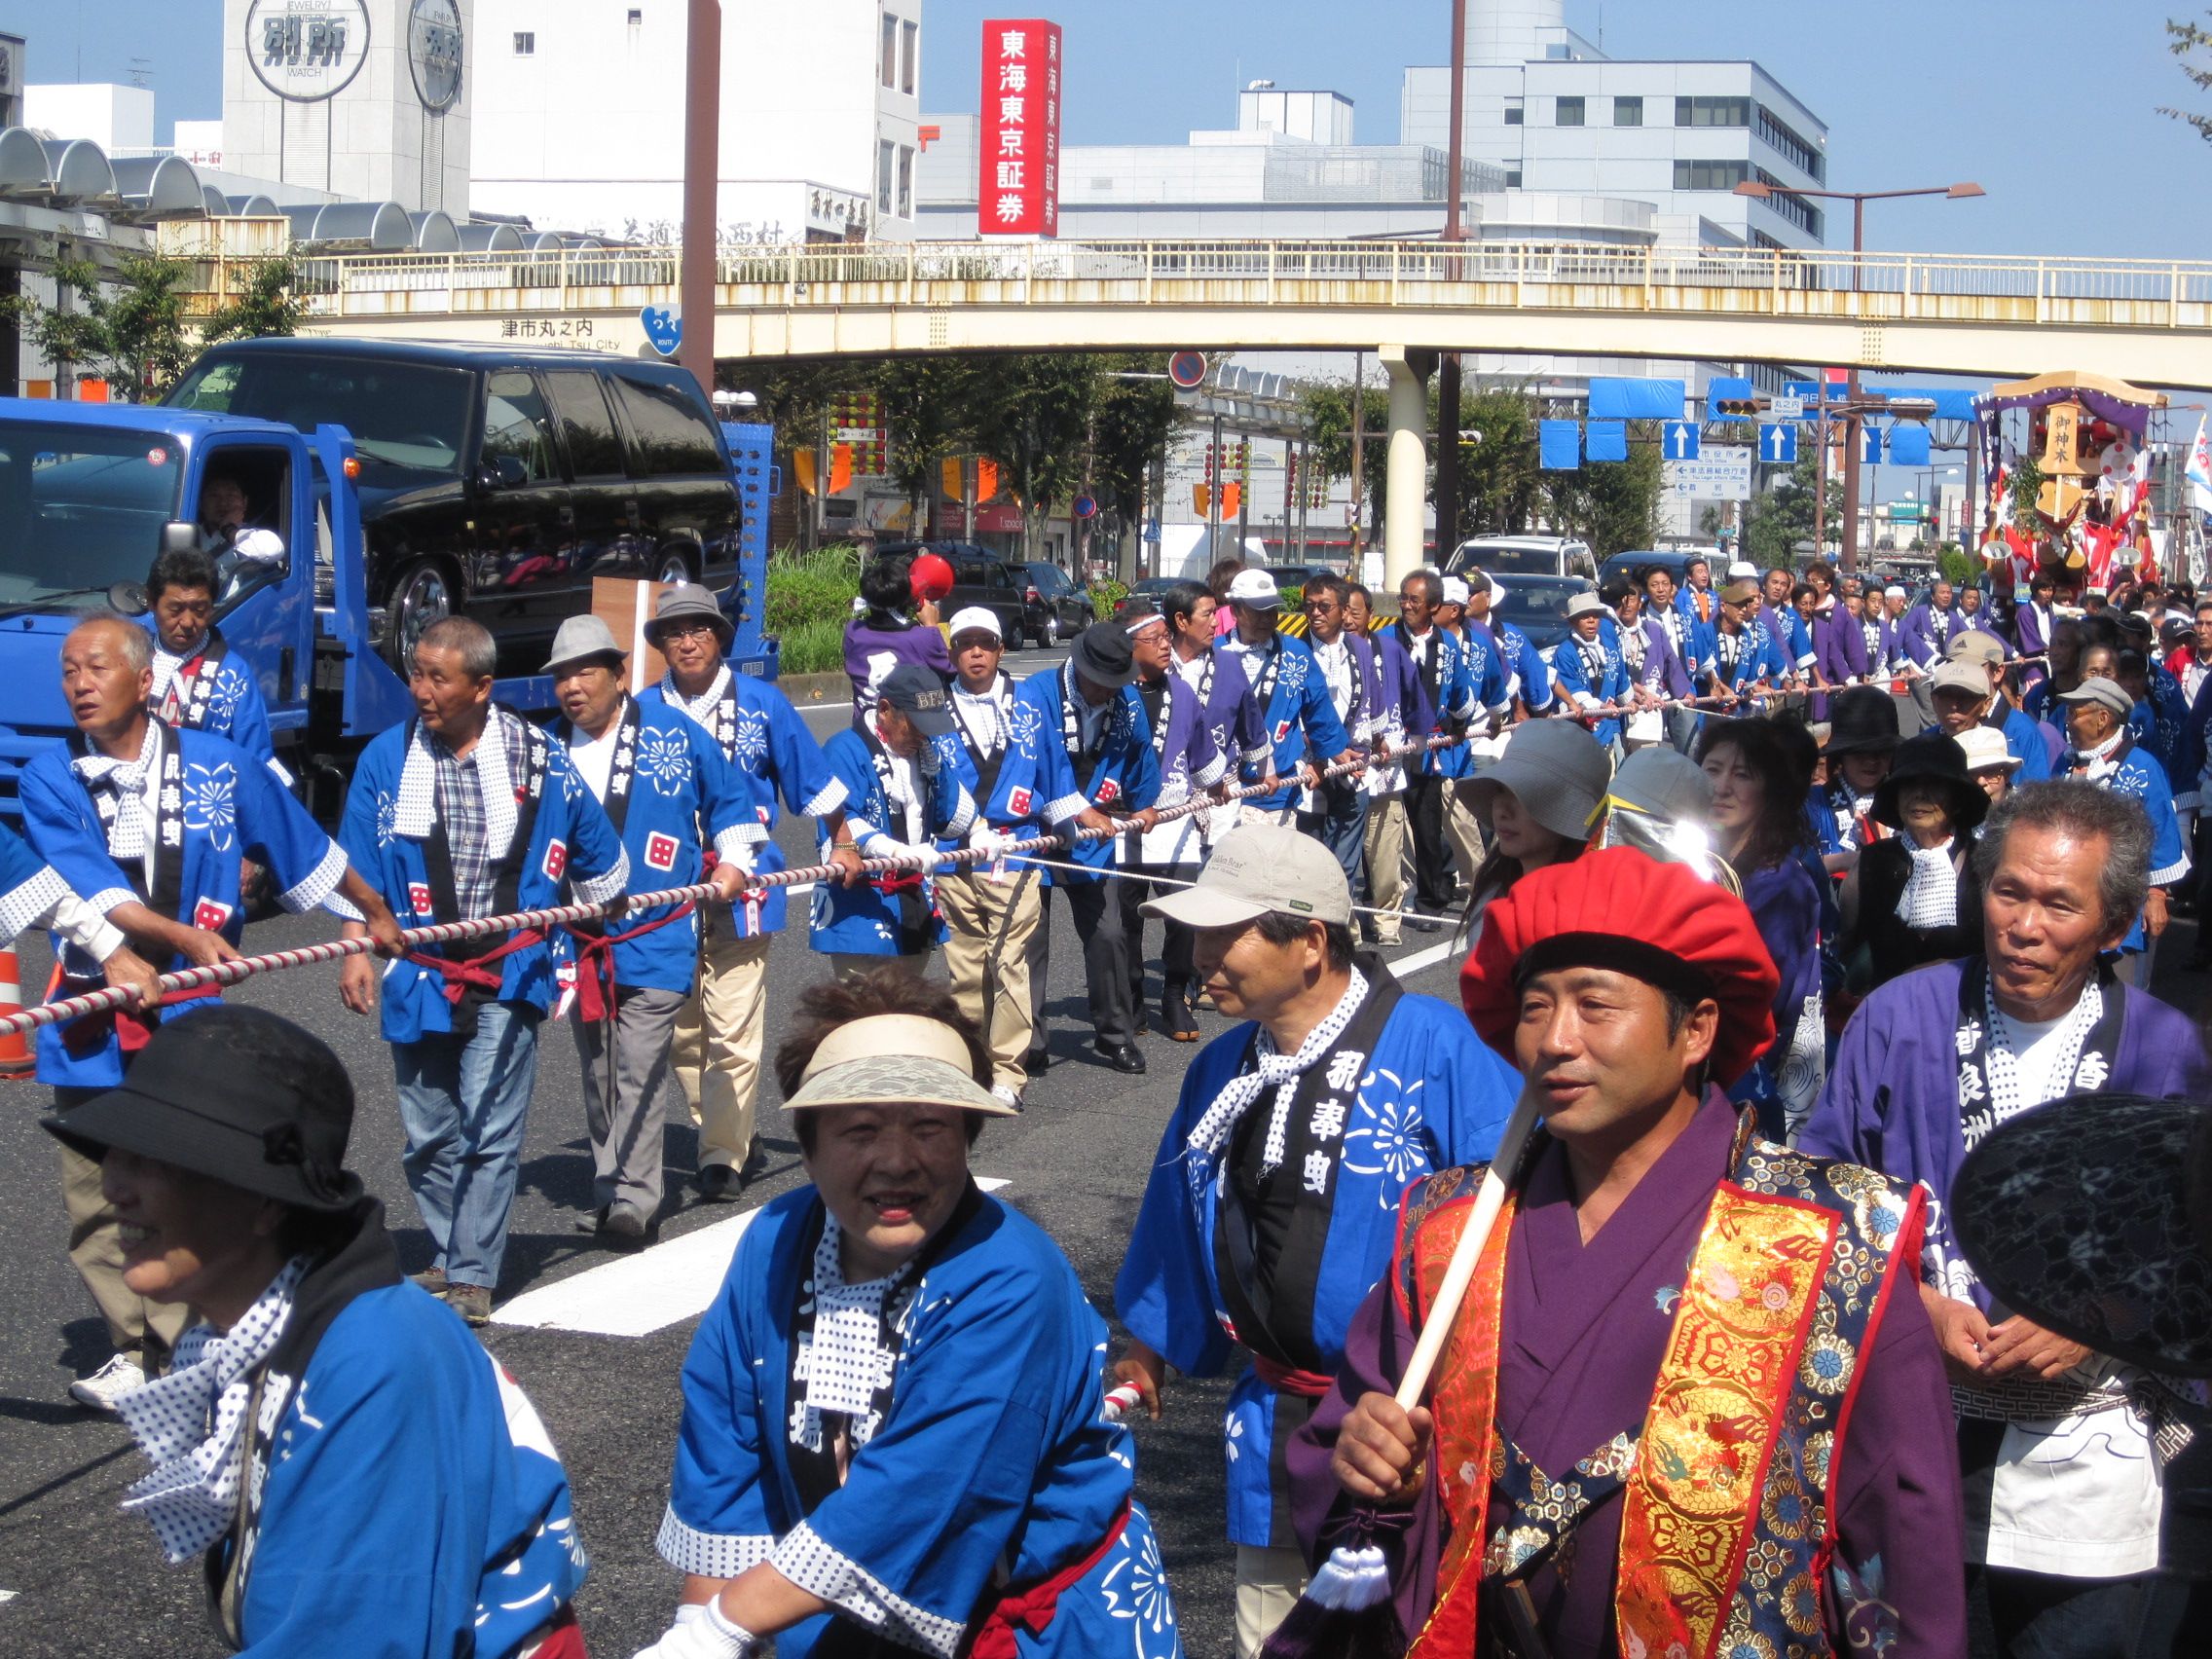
1624, 910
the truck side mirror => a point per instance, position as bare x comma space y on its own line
179, 536
130, 599
502, 472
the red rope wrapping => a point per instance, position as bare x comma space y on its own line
199, 979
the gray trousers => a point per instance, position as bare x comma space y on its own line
628, 1131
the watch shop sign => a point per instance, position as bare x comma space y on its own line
1019, 183
305, 51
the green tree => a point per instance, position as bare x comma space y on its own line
1611, 504
264, 300
1781, 516
1501, 485
1329, 410
127, 325
1037, 426
931, 408
1135, 418
2192, 43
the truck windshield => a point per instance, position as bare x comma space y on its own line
401, 415
82, 506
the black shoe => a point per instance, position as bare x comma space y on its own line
1175, 1016
591, 1221
1136, 1016
1121, 1057
719, 1184
1034, 1064
1420, 923
625, 1228
755, 1162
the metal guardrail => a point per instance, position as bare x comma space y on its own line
1793, 283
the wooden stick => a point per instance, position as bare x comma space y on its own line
1459, 1272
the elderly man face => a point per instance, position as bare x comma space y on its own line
2090, 724
105, 689
2044, 922
1940, 594
1958, 710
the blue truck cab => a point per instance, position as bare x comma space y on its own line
90, 493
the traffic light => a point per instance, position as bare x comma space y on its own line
1741, 407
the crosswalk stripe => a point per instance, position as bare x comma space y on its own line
634, 1296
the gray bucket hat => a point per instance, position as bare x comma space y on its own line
580, 640
689, 602
1555, 770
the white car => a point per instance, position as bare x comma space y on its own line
1525, 555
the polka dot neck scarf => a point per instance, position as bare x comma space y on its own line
192, 1422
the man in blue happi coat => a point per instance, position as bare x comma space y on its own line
1404, 718
1292, 697
903, 800
199, 683
1334, 810
464, 812
721, 1028
1101, 774
1449, 684
1588, 672
2105, 753
670, 796
150, 826
1272, 1206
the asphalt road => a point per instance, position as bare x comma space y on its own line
80, 1578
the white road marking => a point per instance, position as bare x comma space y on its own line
634, 1296
1419, 959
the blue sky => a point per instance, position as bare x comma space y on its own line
2048, 104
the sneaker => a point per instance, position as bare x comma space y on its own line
472, 1301
123, 1375
1006, 1096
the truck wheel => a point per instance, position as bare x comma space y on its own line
421, 594
673, 566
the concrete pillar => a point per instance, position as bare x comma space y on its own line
1405, 491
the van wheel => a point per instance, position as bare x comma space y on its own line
673, 566
421, 594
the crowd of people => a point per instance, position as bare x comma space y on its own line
1780, 897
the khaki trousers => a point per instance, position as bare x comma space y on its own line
719, 1031
135, 1325
977, 911
1385, 853
1464, 832
1268, 1583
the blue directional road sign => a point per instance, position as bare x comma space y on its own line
1678, 440
1807, 391
1777, 444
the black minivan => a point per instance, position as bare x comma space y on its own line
497, 483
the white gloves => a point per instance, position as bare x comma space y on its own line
700, 1632
910, 855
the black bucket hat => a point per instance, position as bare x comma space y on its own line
233, 1093
1103, 657
1932, 760
2093, 1217
1862, 720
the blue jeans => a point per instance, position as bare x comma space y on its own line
1341, 826
463, 1102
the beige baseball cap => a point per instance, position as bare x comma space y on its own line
893, 1060
1259, 867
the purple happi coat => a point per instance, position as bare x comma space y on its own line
1892, 1100
872, 651
1585, 1330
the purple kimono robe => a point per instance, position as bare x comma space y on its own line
1585, 1329
871, 652
1839, 641
1892, 1100
2031, 634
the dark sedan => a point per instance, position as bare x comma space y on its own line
1537, 605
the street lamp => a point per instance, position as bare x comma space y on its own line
1757, 191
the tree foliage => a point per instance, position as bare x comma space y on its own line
1781, 516
2192, 43
131, 325
1036, 425
1135, 420
1611, 504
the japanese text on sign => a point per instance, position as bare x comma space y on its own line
1018, 188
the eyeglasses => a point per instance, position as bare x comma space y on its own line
676, 631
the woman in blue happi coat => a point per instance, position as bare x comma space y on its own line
895, 1437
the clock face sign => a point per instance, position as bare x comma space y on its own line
433, 51
305, 51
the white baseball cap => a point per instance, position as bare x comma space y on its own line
1455, 591
1256, 588
975, 619
1986, 750
1256, 869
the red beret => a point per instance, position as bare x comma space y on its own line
1624, 910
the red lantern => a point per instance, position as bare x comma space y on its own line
930, 577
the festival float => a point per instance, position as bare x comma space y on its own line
2092, 439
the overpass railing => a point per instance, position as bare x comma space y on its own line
1874, 288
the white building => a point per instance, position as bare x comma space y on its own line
1556, 114
115, 118
363, 98
579, 117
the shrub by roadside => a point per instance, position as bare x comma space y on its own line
810, 598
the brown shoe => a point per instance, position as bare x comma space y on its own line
472, 1301
431, 1279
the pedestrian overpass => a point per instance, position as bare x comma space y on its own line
2149, 321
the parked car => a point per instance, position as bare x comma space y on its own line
499, 483
1537, 605
1292, 578
1669, 559
981, 577
1054, 603
1523, 555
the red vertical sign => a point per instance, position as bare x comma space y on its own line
1018, 162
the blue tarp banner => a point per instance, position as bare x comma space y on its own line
1617, 398
1951, 404
1908, 445
1872, 453
1559, 445
1723, 386
1608, 440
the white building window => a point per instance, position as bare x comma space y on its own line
1513, 113
889, 67
886, 166
909, 51
526, 44
1628, 112
1566, 112
905, 181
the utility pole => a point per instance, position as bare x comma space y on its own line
1217, 469
702, 170
1448, 370
1355, 566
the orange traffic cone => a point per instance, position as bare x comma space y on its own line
15, 1046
